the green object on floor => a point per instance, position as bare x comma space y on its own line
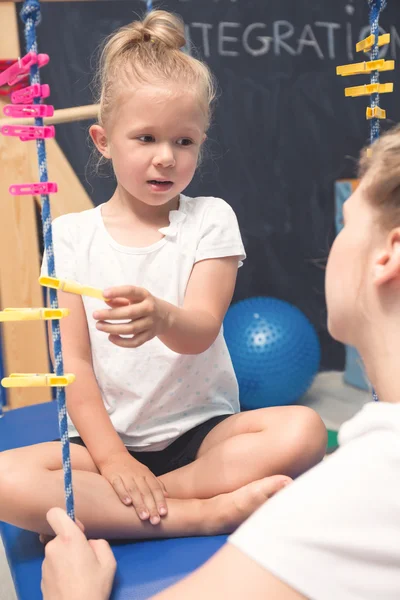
332, 440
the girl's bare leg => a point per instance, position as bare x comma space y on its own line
31, 482
252, 445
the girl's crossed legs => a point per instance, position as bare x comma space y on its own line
249, 446
230, 478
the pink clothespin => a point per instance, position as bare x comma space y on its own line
28, 94
28, 110
5, 63
22, 67
26, 133
33, 189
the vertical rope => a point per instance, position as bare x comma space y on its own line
2, 389
31, 16
376, 7
149, 5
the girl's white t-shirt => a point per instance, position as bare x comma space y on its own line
334, 534
152, 394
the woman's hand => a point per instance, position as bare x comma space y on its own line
136, 485
144, 316
73, 566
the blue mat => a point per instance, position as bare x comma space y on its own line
144, 568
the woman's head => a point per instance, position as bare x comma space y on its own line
363, 272
155, 106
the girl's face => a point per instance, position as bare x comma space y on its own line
154, 138
350, 268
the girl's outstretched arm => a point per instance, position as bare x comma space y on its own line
190, 329
194, 327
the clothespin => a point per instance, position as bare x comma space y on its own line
27, 94
375, 113
22, 67
365, 67
28, 110
37, 380
367, 43
32, 314
367, 90
28, 132
33, 189
71, 287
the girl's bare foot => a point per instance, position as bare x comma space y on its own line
232, 509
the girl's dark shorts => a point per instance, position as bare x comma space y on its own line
181, 452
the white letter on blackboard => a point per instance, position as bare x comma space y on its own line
349, 41
264, 39
205, 27
330, 27
395, 40
187, 49
224, 38
278, 37
308, 38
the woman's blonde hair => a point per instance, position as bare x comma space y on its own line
379, 169
149, 52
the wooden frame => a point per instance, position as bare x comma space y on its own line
25, 344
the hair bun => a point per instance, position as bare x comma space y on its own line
164, 28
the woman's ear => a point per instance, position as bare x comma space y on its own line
99, 137
387, 265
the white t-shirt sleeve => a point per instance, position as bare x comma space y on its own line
334, 534
219, 233
64, 247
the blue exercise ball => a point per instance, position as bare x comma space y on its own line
274, 349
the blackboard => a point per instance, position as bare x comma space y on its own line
283, 131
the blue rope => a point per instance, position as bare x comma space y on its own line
3, 398
376, 7
31, 16
149, 5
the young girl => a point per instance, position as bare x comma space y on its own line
159, 447
334, 534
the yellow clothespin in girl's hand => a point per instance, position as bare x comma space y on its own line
37, 380
32, 314
71, 287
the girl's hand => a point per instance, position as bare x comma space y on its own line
135, 484
144, 316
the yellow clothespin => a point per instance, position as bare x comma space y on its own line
367, 43
71, 287
367, 90
32, 314
375, 113
37, 380
365, 67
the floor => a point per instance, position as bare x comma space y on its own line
329, 396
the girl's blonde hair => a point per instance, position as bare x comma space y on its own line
379, 169
149, 52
